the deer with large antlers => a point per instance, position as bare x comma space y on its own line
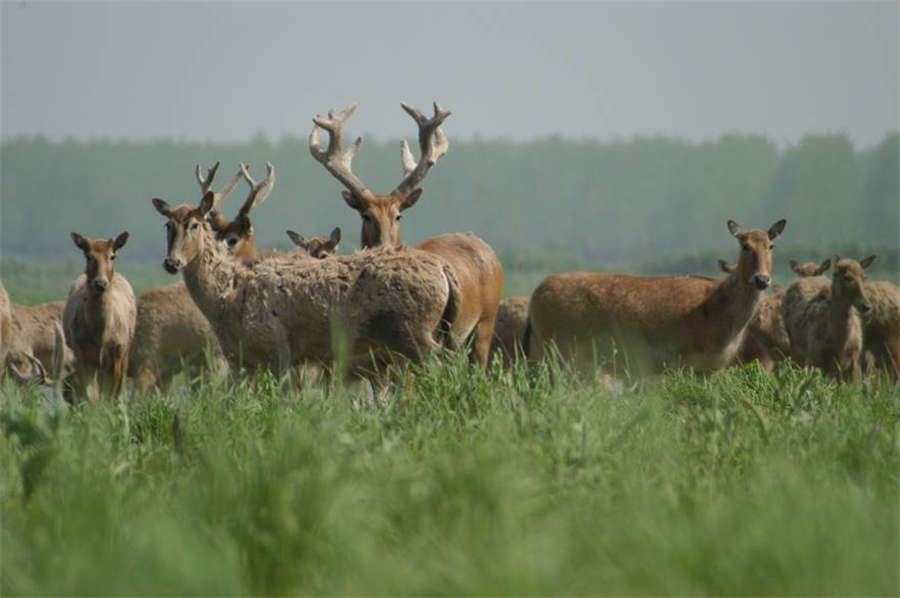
283, 312
472, 260
99, 319
653, 322
237, 234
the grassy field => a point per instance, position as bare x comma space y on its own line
504, 483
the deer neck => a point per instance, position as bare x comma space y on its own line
740, 300
210, 279
840, 320
96, 308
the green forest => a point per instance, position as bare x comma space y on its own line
554, 201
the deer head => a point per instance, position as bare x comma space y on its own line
317, 247
100, 256
755, 263
809, 268
187, 231
848, 282
380, 214
237, 234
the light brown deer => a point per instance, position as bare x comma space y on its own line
822, 320
99, 319
655, 322
237, 234
171, 333
35, 336
809, 269
5, 328
767, 339
472, 260
881, 326
281, 311
317, 247
512, 317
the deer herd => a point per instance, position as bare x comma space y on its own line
244, 309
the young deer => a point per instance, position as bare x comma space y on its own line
237, 234
822, 320
656, 322
809, 269
284, 312
317, 247
767, 338
99, 318
472, 260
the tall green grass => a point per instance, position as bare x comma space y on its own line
463, 482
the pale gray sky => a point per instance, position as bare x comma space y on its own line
225, 71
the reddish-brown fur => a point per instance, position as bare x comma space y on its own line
99, 319
35, 331
881, 326
472, 260
654, 322
509, 331
822, 320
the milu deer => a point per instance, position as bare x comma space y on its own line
655, 322
99, 319
5, 328
881, 326
822, 319
509, 331
767, 339
35, 335
282, 312
317, 247
473, 261
237, 234
809, 269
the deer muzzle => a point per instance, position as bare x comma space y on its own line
101, 284
172, 266
762, 281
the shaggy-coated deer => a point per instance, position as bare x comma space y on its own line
881, 326
317, 247
822, 319
283, 311
35, 332
237, 234
473, 261
656, 321
809, 269
99, 319
512, 317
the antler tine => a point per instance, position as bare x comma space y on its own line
259, 191
433, 144
205, 181
337, 163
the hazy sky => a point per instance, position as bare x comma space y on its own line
225, 71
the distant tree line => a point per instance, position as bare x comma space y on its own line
553, 200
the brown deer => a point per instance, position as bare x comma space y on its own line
512, 317
5, 328
809, 269
656, 322
35, 336
99, 319
317, 247
237, 234
472, 260
282, 312
822, 319
171, 333
767, 339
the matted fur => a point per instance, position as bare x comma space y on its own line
34, 335
509, 330
649, 323
5, 327
170, 332
767, 339
881, 325
99, 329
822, 321
286, 310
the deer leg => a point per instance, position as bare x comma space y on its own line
481, 342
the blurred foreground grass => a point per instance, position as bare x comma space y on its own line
504, 483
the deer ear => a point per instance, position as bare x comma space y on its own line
734, 228
411, 198
80, 242
162, 207
777, 228
207, 203
244, 227
335, 237
120, 241
726, 267
868, 261
297, 238
793, 264
353, 201
823, 267
216, 220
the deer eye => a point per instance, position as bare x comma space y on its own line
113, 257
232, 242
367, 218
195, 225
399, 217
772, 246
